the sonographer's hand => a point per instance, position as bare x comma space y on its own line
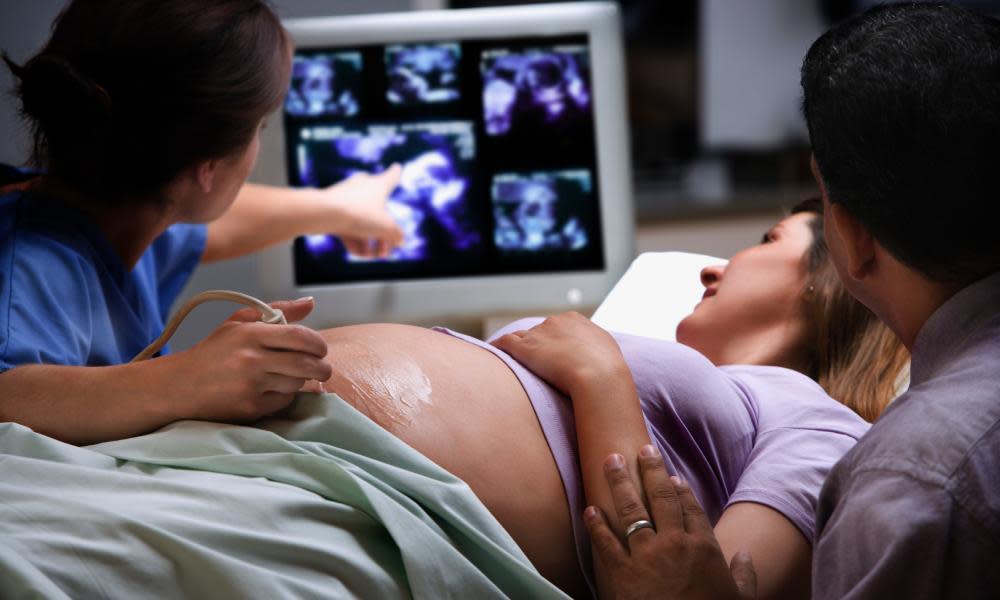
293, 310
566, 350
245, 369
362, 221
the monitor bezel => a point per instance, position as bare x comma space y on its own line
425, 300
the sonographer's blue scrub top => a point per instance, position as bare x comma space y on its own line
66, 298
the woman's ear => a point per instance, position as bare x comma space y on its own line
857, 242
204, 173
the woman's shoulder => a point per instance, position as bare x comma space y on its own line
15, 178
31, 232
41, 238
674, 369
651, 356
47, 279
788, 399
678, 386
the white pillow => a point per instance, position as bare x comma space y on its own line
657, 291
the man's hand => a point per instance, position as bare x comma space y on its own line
679, 558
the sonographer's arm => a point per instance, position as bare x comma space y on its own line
242, 371
354, 210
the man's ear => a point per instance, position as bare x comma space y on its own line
857, 241
204, 173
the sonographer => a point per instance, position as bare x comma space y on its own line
145, 134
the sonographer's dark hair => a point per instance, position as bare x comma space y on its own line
903, 108
128, 93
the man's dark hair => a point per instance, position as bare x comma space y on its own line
903, 108
128, 93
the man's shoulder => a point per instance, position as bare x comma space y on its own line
886, 531
932, 443
938, 425
975, 484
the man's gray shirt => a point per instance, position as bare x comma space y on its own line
913, 510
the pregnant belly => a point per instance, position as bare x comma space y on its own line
464, 409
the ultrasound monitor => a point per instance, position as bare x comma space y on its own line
510, 127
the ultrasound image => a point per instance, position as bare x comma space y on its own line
541, 211
539, 87
430, 204
422, 74
325, 85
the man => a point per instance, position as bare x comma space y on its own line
903, 108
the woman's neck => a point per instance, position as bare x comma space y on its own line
776, 346
130, 226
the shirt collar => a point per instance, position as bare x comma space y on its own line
944, 334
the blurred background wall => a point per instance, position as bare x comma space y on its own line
24, 29
719, 145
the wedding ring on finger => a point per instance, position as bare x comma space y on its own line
640, 524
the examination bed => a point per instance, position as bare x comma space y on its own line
324, 503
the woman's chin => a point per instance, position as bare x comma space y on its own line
685, 330
697, 333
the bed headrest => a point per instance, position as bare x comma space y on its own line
657, 291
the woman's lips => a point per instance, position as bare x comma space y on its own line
709, 292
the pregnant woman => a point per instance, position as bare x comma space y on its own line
734, 408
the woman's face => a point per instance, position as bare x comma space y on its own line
752, 312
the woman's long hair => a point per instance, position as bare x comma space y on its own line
851, 353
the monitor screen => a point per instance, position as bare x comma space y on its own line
510, 126
496, 141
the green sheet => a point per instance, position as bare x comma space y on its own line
319, 503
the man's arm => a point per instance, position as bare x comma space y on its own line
886, 537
